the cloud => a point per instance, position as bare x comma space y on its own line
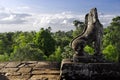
106, 19
64, 21
14, 18
8, 16
23, 7
58, 21
11, 20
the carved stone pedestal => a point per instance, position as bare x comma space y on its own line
85, 59
89, 71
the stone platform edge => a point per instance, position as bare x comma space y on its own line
89, 71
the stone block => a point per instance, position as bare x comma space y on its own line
44, 77
42, 65
89, 71
47, 65
25, 70
13, 74
9, 69
13, 64
3, 64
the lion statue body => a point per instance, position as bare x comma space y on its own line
92, 34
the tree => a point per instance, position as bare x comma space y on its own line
67, 52
1, 47
110, 53
21, 50
45, 42
112, 35
79, 28
57, 55
6, 42
26, 53
89, 50
62, 38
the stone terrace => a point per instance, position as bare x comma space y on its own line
29, 70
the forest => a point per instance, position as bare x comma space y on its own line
54, 46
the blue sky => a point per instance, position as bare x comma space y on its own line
107, 6
29, 15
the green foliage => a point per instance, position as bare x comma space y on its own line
113, 32
1, 47
45, 42
26, 53
6, 42
89, 50
56, 56
79, 28
4, 57
110, 53
112, 35
62, 38
62, 41
21, 39
44, 45
67, 52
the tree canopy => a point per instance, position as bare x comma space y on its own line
112, 37
45, 42
54, 46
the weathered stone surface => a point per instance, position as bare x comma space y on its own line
2, 64
13, 64
54, 72
30, 65
39, 72
14, 77
25, 77
44, 77
9, 69
89, 71
47, 72
29, 62
27, 70
13, 74
24, 70
42, 65
21, 65
50, 65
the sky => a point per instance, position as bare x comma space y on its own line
31, 15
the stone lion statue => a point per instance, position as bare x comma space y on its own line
92, 34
